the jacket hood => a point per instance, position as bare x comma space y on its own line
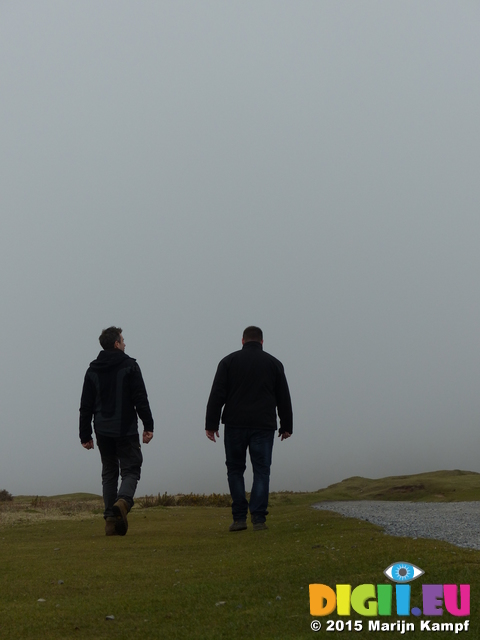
110, 359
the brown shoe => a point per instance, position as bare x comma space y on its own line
238, 525
120, 509
110, 526
259, 526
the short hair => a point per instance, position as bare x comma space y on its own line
109, 337
253, 334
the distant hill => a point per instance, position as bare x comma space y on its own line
435, 486
67, 497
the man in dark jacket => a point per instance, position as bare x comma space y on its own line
251, 387
114, 393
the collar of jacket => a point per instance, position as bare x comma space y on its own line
109, 358
252, 344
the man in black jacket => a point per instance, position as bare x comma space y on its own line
114, 393
251, 387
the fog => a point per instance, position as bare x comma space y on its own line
186, 169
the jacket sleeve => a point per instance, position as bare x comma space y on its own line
217, 398
87, 404
284, 403
140, 399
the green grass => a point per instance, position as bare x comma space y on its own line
167, 576
435, 486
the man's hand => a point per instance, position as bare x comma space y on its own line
147, 436
211, 435
284, 435
88, 445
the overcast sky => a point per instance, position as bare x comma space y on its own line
184, 169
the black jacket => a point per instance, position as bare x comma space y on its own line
113, 393
251, 385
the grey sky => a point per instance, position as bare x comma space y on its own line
185, 169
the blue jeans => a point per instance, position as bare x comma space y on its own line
120, 456
259, 442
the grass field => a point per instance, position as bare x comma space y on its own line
179, 573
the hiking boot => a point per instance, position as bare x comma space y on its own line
110, 526
120, 509
259, 526
238, 525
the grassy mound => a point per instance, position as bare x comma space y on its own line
435, 486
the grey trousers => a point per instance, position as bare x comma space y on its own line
121, 457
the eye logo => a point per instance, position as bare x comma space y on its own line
403, 572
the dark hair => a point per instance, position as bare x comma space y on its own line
109, 337
253, 334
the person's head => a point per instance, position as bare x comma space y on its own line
112, 338
252, 334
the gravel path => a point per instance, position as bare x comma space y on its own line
455, 522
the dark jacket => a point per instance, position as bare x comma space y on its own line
250, 384
113, 393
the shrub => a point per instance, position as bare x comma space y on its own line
5, 496
186, 500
